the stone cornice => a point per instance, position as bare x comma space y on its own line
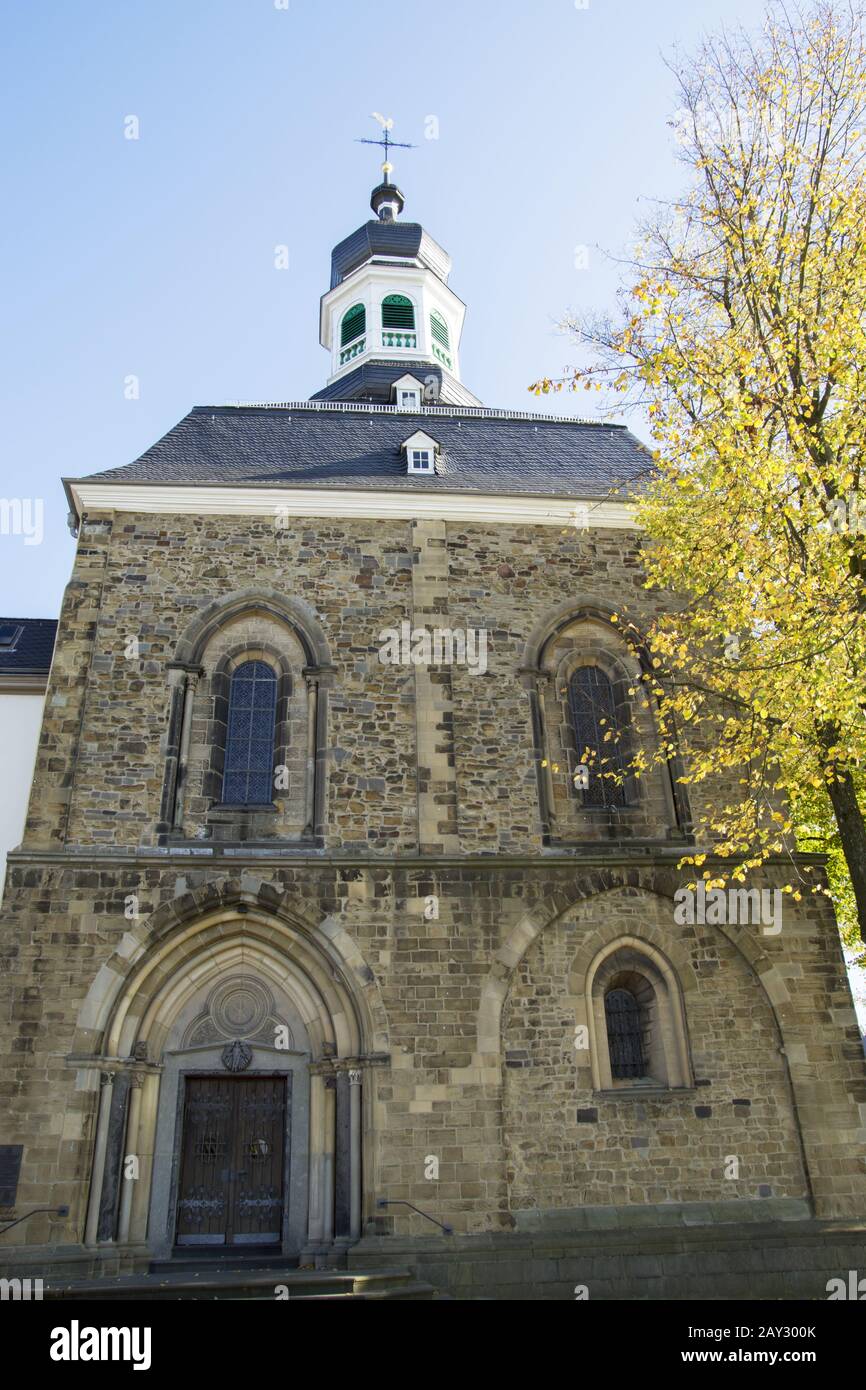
582, 857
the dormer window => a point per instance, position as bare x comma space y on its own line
408, 393
421, 454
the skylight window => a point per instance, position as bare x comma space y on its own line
9, 634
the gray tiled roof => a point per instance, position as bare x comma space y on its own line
373, 380
376, 238
33, 648
344, 446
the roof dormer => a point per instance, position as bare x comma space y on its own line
408, 393
421, 452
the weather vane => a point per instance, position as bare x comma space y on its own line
387, 124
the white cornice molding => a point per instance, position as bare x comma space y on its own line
363, 503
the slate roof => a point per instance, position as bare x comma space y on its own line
372, 381
33, 649
401, 239
345, 446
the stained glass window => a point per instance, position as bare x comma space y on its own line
249, 759
593, 713
624, 1035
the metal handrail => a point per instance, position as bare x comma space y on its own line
386, 1202
55, 1211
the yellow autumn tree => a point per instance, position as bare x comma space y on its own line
742, 334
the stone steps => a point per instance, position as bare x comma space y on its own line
207, 1284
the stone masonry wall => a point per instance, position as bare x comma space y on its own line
484, 984
99, 771
503, 932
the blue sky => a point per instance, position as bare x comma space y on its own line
154, 257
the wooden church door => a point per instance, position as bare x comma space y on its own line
232, 1160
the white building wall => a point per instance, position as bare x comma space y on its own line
20, 721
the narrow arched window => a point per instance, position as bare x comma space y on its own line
354, 324
398, 312
439, 329
439, 338
598, 739
625, 1039
249, 754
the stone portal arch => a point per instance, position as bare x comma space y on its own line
305, 1009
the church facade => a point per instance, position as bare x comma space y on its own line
330, 929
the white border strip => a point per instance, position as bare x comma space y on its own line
365, 503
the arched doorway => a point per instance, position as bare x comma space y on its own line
231, 1157
232, 1108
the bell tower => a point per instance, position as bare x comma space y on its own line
390, 321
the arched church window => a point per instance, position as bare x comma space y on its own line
249, 753
598, 738
637, 1021
398, 312
354, 324
625, 1035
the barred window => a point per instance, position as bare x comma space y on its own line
249, 753
594, 714
625, 1039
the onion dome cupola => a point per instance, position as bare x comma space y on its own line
389, 319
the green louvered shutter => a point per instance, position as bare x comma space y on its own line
398, 312
439, 329
354, 324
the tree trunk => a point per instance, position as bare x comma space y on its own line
852, 832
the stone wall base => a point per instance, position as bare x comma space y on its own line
748, 1260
